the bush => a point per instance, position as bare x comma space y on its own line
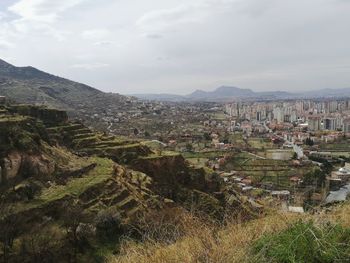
108, 225
165, 227
305, 242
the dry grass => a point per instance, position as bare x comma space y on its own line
228, 243
206, 242
338, 215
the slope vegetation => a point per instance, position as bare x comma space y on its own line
78, 192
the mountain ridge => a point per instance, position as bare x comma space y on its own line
33, 86
224, 93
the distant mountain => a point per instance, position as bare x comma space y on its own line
222, 92
324, 93
160, 97
30, 85
226, 93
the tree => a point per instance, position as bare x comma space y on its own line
309, 141
295, 156
316, 177
73, 215
206, 136
136, 131
189, 147
9, 229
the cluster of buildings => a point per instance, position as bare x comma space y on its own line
315, 115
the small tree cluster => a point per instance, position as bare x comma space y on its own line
309, 141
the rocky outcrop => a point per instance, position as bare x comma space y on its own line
168, 172
204, 179
17, 165
197, 189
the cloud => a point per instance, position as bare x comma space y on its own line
103, 43
193, 12
37, 18
42, 10
3, 15
5, 44
153, 36
99, 33
182, 17
90, 66
180, 45
159, 19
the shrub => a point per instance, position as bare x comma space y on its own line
165, 227
305, 242
108, 224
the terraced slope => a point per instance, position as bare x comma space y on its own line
85, 141
100, 189
61, 176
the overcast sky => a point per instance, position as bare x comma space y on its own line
177, 46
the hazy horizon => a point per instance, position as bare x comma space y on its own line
177, 47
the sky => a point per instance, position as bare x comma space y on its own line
178, 46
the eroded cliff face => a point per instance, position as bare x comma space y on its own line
196, 189
17, 166
172, 171
168, 173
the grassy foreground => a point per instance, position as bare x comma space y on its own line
277, 237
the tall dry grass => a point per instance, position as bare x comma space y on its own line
198, 240
202, 241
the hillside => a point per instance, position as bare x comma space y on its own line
71, 194
30, 85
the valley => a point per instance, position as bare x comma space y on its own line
106, 178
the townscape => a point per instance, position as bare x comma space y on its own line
289, 140
239, 157
178, 131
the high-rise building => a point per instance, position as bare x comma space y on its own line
346, 125
314, 123
330, 124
